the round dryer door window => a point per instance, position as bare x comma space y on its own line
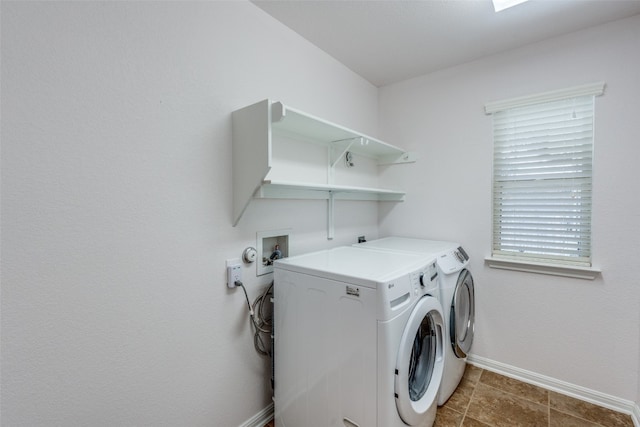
462, 319
419, 365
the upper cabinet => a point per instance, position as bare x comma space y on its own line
281, 152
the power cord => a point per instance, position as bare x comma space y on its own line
262, 321
239, 283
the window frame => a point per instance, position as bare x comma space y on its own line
567, 267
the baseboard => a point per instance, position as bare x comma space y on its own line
260, 419
562, 387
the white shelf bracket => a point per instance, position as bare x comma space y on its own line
340, 147
406, 157
330, 225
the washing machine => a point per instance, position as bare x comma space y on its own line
358, 339
457, 297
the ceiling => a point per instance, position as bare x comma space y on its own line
386, 41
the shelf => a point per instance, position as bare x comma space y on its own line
260, 127
303, 190
289, 121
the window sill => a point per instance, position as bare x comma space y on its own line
587, 273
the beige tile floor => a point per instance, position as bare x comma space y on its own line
487, 399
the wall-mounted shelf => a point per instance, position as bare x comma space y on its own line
303, 190
287, 120
281, 152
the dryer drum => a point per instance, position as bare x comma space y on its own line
462, 319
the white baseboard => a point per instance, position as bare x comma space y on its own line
260, 419
562, 387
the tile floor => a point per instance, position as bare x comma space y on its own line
487, 399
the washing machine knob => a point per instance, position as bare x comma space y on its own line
422, 279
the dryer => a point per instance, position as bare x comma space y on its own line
457, 295
358, 339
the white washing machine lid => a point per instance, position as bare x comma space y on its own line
368, 267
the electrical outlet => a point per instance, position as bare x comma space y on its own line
234, 272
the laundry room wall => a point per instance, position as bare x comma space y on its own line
116, 206
581, 332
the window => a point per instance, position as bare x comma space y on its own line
542, 176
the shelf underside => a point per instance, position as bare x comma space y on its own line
289, 121
297, 190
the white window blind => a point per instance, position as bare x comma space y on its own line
542, 177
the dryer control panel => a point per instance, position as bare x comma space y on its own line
461, 254
453, 260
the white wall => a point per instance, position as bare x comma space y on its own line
582, 332
116, 205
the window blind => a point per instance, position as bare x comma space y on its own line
542, 197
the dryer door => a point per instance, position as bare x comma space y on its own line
462, 319
420, 362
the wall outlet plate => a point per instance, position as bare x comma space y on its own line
234, 272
